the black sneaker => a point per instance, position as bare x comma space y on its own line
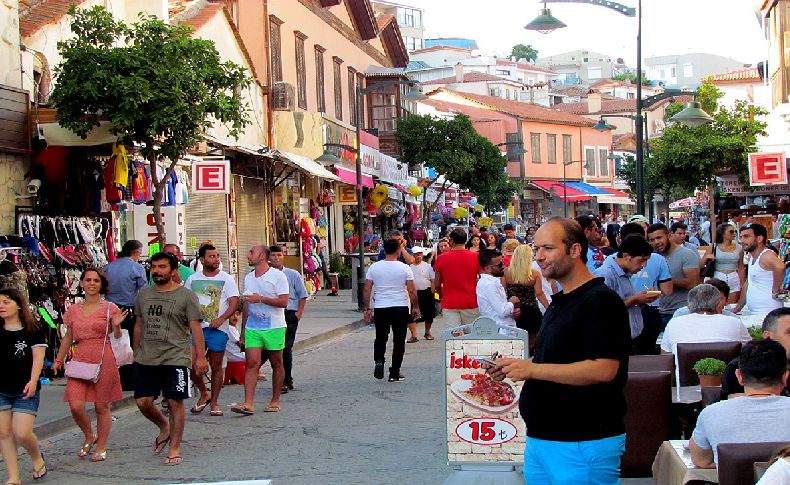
397, 378
378, 372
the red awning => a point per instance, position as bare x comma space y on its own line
350, 177
564, 192
617, 193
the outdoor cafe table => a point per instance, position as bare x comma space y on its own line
686, 395
673, 466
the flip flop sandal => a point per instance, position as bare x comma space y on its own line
428, 337
160, 445
242, 410
37, 475
173, 460
217, 412
271, 409
86, 449
412, 340
198, 408
99, 456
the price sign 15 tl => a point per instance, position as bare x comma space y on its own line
486, 431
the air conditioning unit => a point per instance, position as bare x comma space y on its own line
283, 96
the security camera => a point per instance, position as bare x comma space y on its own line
33, 185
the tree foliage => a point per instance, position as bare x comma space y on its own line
456, 151
687, 158
157, 86
631, 76
522, 51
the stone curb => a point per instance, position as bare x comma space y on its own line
56, 426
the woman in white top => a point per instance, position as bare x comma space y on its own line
729, 260
779, 472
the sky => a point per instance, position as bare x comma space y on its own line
724, 27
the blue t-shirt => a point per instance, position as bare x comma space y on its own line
383, 255
655, 272
296, 288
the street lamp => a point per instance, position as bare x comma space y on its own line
519, 150
692, 115
545, 22
414, 94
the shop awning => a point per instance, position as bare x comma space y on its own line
588, 189
57, 135
615, 197
308, 165
564, 192
350, 177
257, 150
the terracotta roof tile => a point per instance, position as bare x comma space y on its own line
33, 14
439, 48
205, 13
527, 111
615, 105
383, 19
571, 90
469, 77
523, 65
750, 74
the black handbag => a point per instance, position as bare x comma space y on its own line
709, 268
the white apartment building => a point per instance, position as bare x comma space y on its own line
581, 66
409, 19
685, 71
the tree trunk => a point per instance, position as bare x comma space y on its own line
427, 209
159, 190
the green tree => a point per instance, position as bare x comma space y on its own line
631, 76
522, 51
457, 152
687, 158
157, 86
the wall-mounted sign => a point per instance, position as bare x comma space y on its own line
347, 195
767, 168
211, 177
173, 219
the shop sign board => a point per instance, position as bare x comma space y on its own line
483, 421
347, 195
732, 185
211, 177
767, 168
173, 218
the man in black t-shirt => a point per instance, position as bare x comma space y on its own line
572, 400
776, 326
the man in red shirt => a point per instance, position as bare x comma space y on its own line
456, 281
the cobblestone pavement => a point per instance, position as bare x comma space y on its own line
340, 426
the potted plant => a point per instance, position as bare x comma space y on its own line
335, 265
710, 371
344, 278
756, 333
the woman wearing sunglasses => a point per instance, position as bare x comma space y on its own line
729, 259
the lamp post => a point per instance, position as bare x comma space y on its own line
414, 94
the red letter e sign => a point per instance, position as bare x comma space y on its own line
211, 177
767, 169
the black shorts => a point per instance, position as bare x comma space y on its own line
427, 305
172, 381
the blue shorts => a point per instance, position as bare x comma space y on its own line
16, 404
216, 339
594, 462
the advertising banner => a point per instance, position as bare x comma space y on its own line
173, 218
483, 421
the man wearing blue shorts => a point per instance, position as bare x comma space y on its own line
572, 400
263, 327
218, 297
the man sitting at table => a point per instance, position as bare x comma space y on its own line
723, 288
761, 415
705, 323
776, 326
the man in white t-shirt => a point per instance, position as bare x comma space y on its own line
705, 323
392, 285
218, 297
492, 299
263, 327
423, 283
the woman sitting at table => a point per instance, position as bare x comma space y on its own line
761, 413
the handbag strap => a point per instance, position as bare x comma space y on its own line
106, 332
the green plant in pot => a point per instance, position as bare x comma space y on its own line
710, 371
344, 277
756, 333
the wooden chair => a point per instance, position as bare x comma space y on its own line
736, 460
689, 353
648, 397
650, 363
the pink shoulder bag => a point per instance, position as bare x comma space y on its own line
87, 371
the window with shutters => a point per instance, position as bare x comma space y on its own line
603, 162
384, 111
275, 48
320, 89
567, 148
301, 75
589, 161
551, 147
352, 95
338, 86
535, 147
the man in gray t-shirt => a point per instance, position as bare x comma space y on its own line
683, 264
762, 415
166, 314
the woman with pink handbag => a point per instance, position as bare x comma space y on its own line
92, 372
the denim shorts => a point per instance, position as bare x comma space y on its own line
16, 404
216, 339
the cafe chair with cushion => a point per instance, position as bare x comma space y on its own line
648, 397
736, 460
650, 363
711, 395
689, 353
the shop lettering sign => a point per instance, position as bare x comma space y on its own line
211, 177
173, 218
767, 168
